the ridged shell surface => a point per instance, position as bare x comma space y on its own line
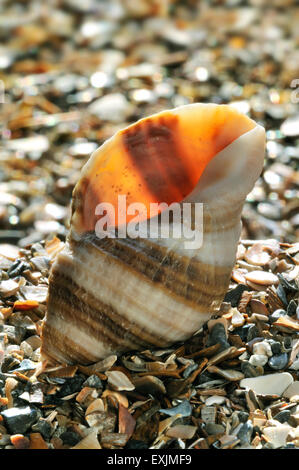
110, 295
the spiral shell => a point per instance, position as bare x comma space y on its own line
109, 295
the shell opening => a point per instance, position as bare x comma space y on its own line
159, 159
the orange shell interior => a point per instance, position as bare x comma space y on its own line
157, 159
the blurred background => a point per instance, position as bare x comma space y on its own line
74, 72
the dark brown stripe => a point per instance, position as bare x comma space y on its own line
55, 342
115, 329
135, 141
162, 139
180, 276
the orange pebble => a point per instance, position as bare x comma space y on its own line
25, 304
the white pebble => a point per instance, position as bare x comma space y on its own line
258, 360
262, 348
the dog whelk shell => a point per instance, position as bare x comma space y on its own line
133, 292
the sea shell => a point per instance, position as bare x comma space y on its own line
110, 295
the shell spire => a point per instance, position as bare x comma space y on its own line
119, 293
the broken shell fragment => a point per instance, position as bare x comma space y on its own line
110, 295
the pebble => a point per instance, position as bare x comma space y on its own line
277, 435
292, 390
258, 360
234, 295
237, 318
283, 416
278, 362
8, 288
37, 293
181, 431
229, 374
250, 371
271, 384
212, 428
42, 426
263, 347
19, 420
113, 107
277, 314
290, 127
93, 381
252, 333
184, 409
208, 414
243, 416
218, 335
275, 346
70, 438
215, 400
262, 277
245, 433
119, 381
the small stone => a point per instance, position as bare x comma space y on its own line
278, 362
25, 365
218, 335
181, 431
93, 381
149, 384
287, 343
250, 371
8, 288
275, 346
34, 342
243, 416
290, 127
228, 374
208, 414
283, 416
112, 107
70, 438
42, 426
234, 295
19, 441
277, 435
89, 442
41, 263
212, 428
237, 319
119, 381
215, 400
37, 293
26, 348
184, 409
262, 277
9, 363
262, 347
271, 384
245, 433
292, 390
19, 420
253, 332
258, 360
257, 255
276, 315
5, 439
96, 405
37, 441
15, 334
286, 324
